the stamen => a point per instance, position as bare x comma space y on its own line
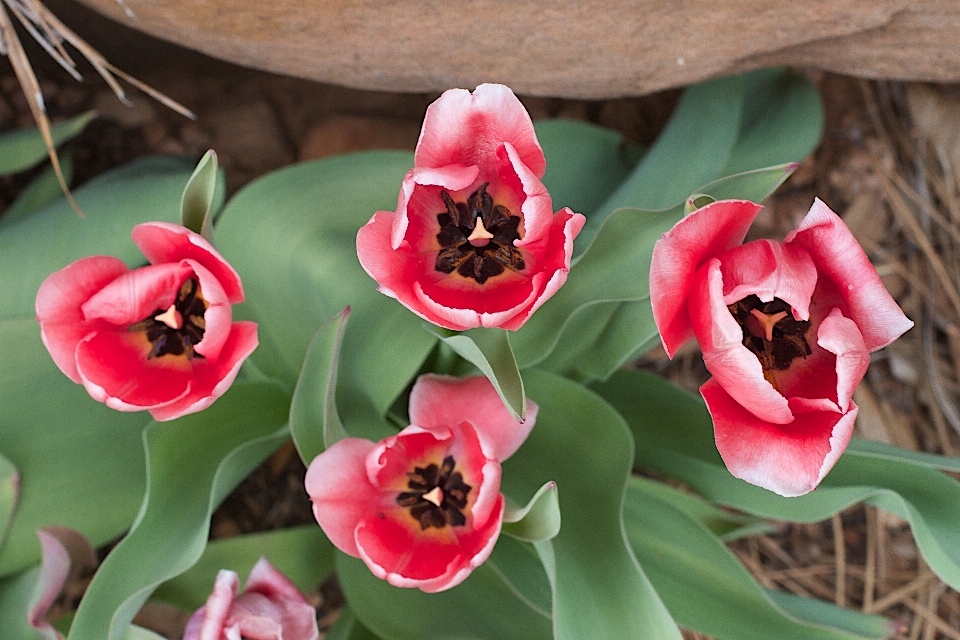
171, 317
480, 237
434, 496
767, 321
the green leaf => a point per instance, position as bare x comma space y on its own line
518, 565
42, 191
348, 627
585, 162
314, 420
580, 442
726, 525
754, 185
291, 235
480, 608
707, 589
694, 147
50, 239
16, 593
20, 150
303, 554
9, 494
192, 464
489, 351
196, 204
539, 520
685, 451
782, 120
81, 464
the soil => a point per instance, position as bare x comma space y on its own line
888, 162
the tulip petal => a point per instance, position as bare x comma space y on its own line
212, 378
460, 128
769, 270
700, 236
733, 366
838, 256
788, 459
842, 337
342, 495
164, 242
137, 295
59, 302
437, 401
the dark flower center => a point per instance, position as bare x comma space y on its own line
437, 495
176, 330
476, 237
771, 332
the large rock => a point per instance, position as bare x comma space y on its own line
582, 49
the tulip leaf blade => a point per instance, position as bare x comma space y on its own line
347, 627
299, 267
25, 148
460, 612
193, 463
73, 454
600, 591
196, 203
314, 420
707, 589
303, 554
32, 248
782, 121
585, 162
538, 520
489, 351
16, 592
40, 192
693, 148
909, 488
9, 495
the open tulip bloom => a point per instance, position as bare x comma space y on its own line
160, 337
786, 330
422, 508
474, 241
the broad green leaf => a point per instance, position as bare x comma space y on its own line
42, 191
518, 565
581, 443
22, 149
707, 589
81, 464
192, 464
348, 627
291, 235
50, 239
480, 608
196, 204
677, 440
539, 520
16, 592
9, 493
782, 120
303, 554
692, 149
585, 162
314, 420
826, 613
489, 351
881, 451
134, 632
725, 524
754, 185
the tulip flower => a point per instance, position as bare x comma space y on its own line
159, 338
786, 330
422, 508
270, 608
474, 241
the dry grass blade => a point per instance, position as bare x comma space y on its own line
51, 33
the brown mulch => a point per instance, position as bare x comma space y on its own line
889, 163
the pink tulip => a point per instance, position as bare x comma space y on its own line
422, 508
474, 241
160, 337
786, 329
270, 608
